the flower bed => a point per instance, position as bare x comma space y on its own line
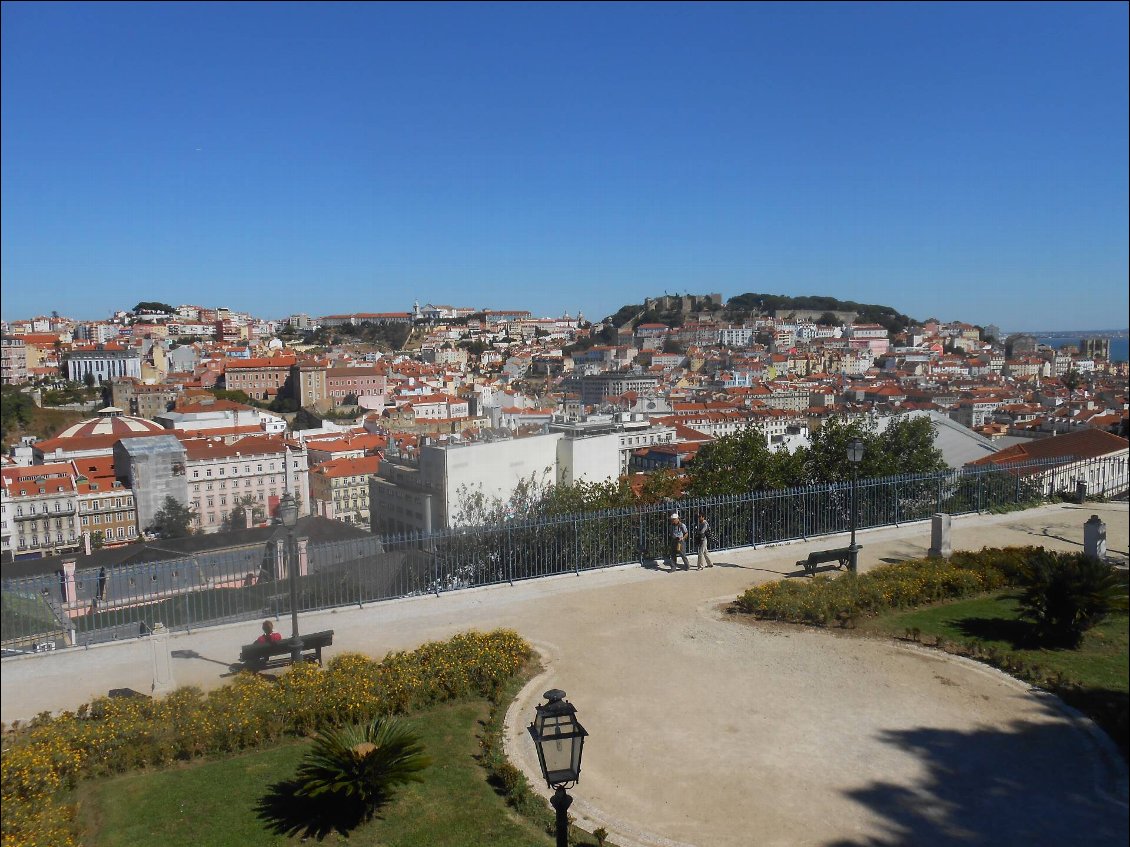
823, 600
53, 753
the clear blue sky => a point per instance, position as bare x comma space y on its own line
959, 161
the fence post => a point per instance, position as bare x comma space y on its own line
576, 547
753, 522
435, 565
896, 496
509, 555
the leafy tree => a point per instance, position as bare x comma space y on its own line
284, 403
97, 539
305, 419
235, 395
905, 447
237, 518
88, 380
174, 520
828, 319
670, 345
739, 463
153, 306
16, 410
1071, 380
349, 399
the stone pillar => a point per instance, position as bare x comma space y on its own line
69, 595
940, 547
281, 569
1094, 539
163, 681
303, 558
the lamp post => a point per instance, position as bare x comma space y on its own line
288, 513
855, 456
559, 739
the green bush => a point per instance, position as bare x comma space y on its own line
1066, 594
351, 772
824, 600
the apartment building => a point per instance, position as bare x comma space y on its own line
13, 360
339, 489
219, 474
40, 508
258, 378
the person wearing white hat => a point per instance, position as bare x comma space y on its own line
678, 542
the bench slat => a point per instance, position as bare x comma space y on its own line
842, 555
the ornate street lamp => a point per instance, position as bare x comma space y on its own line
559, 739
288, 513
855, 456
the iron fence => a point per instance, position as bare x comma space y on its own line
48, 611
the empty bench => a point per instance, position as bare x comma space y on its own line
841, 556
278, 653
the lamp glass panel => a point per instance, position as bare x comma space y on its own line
557, 743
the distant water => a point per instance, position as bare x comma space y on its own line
1119, 347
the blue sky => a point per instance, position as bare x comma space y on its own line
959, 161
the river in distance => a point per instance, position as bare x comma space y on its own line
1119, 347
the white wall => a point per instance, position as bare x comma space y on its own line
493, 467
593, 458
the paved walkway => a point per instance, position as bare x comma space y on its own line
707, 731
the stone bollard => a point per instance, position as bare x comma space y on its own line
1094, 539
163, 681
940, 547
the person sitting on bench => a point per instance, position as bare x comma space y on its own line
269, 635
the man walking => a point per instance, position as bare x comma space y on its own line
678, 542
702, 533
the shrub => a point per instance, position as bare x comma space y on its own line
824, 600
351, 772
1067, 594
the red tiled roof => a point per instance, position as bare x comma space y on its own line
1081, 444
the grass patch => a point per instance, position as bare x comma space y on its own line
211, 803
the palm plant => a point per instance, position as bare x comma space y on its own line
1064, 595
351, 772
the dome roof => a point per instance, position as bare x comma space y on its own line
111, 421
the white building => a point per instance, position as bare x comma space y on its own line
433, 489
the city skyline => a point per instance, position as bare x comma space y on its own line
965, 163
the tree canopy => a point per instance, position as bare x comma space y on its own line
153, 306
743, 462
174, 520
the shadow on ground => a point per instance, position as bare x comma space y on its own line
982, 788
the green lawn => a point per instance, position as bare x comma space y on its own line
211, 804
1094, 678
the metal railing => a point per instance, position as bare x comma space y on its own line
241, 584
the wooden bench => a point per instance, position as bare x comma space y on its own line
841, 556
260, 656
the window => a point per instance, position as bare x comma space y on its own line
196, 474
208, 472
